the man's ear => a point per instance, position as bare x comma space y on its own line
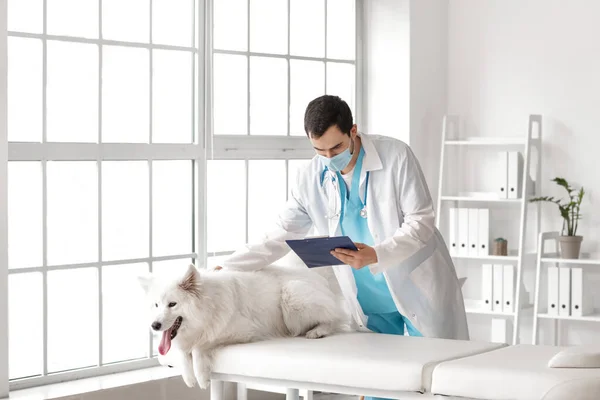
145, 281
191, 279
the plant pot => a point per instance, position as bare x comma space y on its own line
570, 246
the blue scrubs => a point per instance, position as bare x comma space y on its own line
373, 293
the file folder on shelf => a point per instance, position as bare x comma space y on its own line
453, 230
497, 290
487, 281
483, 232
514, 175
502, 175
501, 330
581, 299
508, 288
463, 231
552, 290
473, 242
564, 291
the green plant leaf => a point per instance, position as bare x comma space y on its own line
564, 212
545, 198
580, 195
563, 182
570, 209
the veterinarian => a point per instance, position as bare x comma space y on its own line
370, 188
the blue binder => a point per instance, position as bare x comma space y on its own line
315, 252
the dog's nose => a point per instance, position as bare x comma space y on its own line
156, 325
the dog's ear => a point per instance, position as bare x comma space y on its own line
145, 281
191, 280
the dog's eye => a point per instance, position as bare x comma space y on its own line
156, 305
172, 304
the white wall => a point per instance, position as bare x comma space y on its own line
509, 58
386, 46
428, 82
405, 50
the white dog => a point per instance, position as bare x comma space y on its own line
202, 311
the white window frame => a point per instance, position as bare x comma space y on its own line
53, 151
257, 147
250, 147
3, 204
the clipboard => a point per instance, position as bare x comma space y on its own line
315, 251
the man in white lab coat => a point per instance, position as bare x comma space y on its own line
370, 188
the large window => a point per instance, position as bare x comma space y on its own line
269, 59
104, 130
142, 135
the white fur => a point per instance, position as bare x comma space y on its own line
224, 307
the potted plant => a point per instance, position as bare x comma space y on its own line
569, 241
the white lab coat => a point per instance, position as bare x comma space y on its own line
411, 252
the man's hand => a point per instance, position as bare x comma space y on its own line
365, 255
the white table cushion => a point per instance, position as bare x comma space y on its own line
361, 360
577, 357
518, 372
580, 389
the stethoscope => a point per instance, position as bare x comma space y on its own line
363, 212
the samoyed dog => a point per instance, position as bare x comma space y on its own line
201, 311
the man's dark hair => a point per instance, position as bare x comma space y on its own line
324, 112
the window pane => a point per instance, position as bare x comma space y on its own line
269, 26
25, 224
25, 16
170, 269
307, 28
230, 102
73, 18
293, 167
72, 319
172, 97
230, 25
307, 83
172, 22
266, 195
172, 205
268, 96
124, 324
226, 205
72, 92
125, 210
125, 94
126, 20
25, 327
72, 212
341, 82
341, 33
25, 85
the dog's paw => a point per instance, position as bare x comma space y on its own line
316, 333
189, 379
203, 382
189, 382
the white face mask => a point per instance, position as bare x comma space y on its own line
339, 161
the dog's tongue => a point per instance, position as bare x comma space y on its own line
165, 342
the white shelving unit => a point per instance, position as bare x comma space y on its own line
544, 259
524, 144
